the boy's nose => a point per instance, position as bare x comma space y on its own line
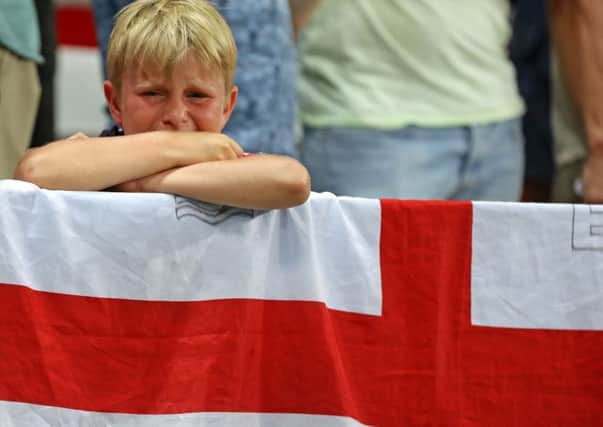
176, 116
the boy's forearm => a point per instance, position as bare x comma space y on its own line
256, 182
99, 163
92, 163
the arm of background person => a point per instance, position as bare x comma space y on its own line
301, 13
577, 33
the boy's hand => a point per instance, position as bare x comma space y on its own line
199, 147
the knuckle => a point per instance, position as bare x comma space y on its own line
224, 152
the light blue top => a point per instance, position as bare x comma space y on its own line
19, 31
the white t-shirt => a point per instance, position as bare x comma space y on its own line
386, 64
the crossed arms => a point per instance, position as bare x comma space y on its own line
201, 165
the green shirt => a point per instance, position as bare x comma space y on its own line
386, 64
19, 31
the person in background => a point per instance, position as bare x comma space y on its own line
577, 32
44, 129
530, 53
19, 83
411, 99
265, 115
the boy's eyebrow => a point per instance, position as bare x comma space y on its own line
146, 78
146, 84
208, 87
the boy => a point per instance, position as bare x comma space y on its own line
171, 66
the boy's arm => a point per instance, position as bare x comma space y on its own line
99, 163
203, 166
577, 30
258, 182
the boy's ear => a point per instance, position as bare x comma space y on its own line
229, 104
111, 97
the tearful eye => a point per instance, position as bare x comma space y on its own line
197, 95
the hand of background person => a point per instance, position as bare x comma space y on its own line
592, 179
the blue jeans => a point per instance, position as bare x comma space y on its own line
104, 12
482, 162
264, 117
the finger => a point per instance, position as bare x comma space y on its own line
229, 148
238, 150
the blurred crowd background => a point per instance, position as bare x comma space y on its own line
421, 99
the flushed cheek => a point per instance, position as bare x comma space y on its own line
208, 119
143, 114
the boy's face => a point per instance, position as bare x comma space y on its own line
191, 98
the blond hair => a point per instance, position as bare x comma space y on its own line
163, 32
